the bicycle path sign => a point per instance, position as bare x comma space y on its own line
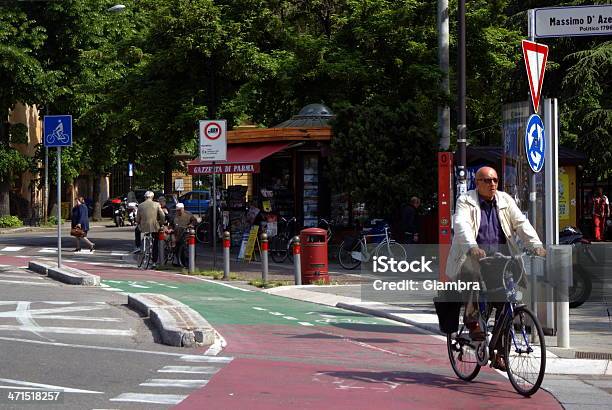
57, 130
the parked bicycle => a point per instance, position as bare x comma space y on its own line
280, 244
522, 338
354, 251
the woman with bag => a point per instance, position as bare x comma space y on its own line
80, 224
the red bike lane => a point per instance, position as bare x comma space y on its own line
290, 353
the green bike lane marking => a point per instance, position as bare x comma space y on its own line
222, 305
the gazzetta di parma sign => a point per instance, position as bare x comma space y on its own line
238, 168
213, 140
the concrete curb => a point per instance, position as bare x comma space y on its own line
67, 275
178, 324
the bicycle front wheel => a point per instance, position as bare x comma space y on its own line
278, 248
391, 249
525, 352
462, 351
201, 232
345, 254
145, 255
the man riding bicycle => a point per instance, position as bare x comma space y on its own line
182, 221
485, 223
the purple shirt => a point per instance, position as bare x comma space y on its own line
490, 233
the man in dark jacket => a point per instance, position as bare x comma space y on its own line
410, 220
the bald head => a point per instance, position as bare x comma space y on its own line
486, 182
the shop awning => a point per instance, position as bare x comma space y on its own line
241, 159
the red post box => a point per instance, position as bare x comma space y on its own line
314, 255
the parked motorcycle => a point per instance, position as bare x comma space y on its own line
118, 212
582, 283
132, 211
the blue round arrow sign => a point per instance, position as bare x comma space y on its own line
535, 142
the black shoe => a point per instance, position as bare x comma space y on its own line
476, 333
91, 248
77, 250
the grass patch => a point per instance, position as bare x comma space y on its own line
269, 284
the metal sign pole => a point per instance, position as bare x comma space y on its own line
46, 199
214, 212
533, 195
59, 207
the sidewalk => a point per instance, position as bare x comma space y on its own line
423, 315
104, 222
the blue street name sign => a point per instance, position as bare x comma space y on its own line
535, 143
57, 130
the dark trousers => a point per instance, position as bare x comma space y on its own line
137, 237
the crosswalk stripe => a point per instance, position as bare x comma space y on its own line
23, 282
150, 398
12, 248
207, 359
305, 324
188, 384
188, 369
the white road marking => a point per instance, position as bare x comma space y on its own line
188, 369
21, 256
150, 398
39, 386
259, 308
24, 316
207, 359
47, 250
12, 248
276, 313
135, 285
218, 345
112, 349
24, 282
64, 317
119, 253
4, 275
69, 330
290, 318
305, 324
188, 384
59, 310
220, 283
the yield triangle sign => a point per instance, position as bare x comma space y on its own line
535, 56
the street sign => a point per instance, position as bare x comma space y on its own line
573, 21
213, 140
535, 56
58, 130
535, 143
130, 169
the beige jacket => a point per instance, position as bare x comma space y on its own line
467, 223
150, 216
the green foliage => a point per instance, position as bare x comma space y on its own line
52, 220
382, 154
9, 221
18, 133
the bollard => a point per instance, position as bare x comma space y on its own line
264, 257
562, 257
191, 240
297, 263
226, 255
161, 246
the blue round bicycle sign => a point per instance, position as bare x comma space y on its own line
535, 143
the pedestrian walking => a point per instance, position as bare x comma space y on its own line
79, 222
410, 220
601, 210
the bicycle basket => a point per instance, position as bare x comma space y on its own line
448, 314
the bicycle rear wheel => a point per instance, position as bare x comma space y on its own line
462, 352
391, 249
525, 352
345, 256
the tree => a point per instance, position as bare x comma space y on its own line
22, 79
